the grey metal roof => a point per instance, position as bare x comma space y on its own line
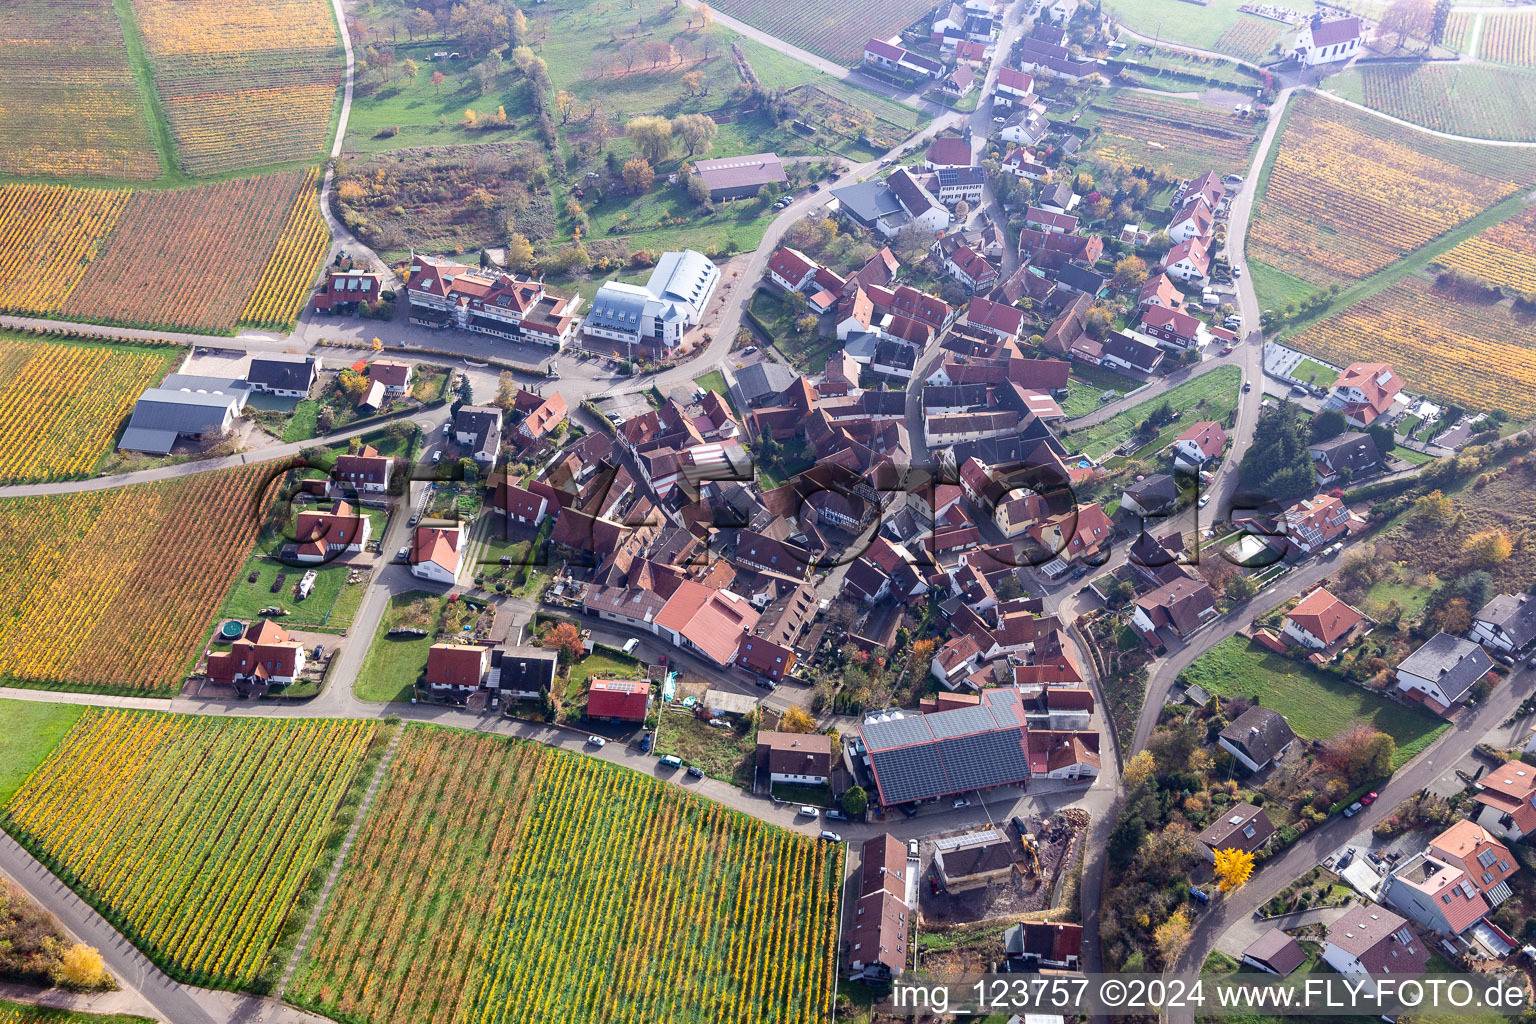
762, 379
868, 201
1515, 614
896, 732
144, 439
1455, 664
618, 306
684, 276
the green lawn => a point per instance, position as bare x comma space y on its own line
1411, 599
21, 1013
1316, 705
1277, 289
1410, 456
389, 672
1177, 21
1315, 372
1087, 383
31, 730
599, 665
1210, 396
331, 605
714, 381
722, 753
302, 425
806, 352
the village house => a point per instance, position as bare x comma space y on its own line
793, 757
1014, 88
264, 654
1240, 827
456, 670
1042, 945
1370, 940
283, 374
974, 860
899, 61
345, 292
1506, 799
1364, 393
618, 700
1174, 329
947, 151
1275, 952
1486, 861
1152, 495
1124, 350
1313, 523
1200, 443
478, 429
363, 470
1352, 453
394, 377
1182, 605
1320, 620
1257, 738
1434, 893
791, 269
1508, 622
319, 536
1443, 671
1188, 261
765, 658
436, 554
880, 920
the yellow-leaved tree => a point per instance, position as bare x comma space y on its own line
1233, 866
1172, 936
81, 968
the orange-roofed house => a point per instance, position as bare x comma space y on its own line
707, 621
1075, 534
543, 418
395, 376
1487, 862
456, 670
437, 554
1364, 393
265, 653
1437, 894
1507, 801
1320, 620
1201, 443
322, 535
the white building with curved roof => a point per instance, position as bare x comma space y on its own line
657, 315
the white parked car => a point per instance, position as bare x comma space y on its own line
630, 645
809, 812
961, 801
597, 741
1205, 499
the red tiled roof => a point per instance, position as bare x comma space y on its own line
791, 264
949, 152
1184, 325
1207, 436
623, 699
456, 665
1325, 616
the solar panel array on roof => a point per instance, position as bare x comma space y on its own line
928, 756
896, 732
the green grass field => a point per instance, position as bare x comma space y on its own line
723, 754
1316, 372
21, 1013
807, 352
1316, 705
714, 381
1200, 25
1088, 383
1210, 396
330, 607
31, 730
389, 671
1411, 599
1277, 289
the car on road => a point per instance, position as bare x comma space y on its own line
1504, 659
1369, 798
1348, 856
1205, 499
829, 837
961, 801
671, 761
1237, 271
999, 118
1531, 663
1247, 386
750, 350
1226, 350
630, 645
596, 741
415, 518
1232, 179
808, 812
1299, 390
836, 815
912, 849
695, 771
907, 809
403, 555
1353, 809
446, 428
645, 744
437, 457
768, 684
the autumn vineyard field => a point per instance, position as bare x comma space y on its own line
61, 403
1251, 38
140, 257
244, 84
195, 836
69, 106
496, 881
1509, 38
837, 29
1350, 193
114, 589
1134, 129
1480, 356
1502, 255
1481, 100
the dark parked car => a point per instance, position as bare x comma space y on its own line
645, 744
696, 771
